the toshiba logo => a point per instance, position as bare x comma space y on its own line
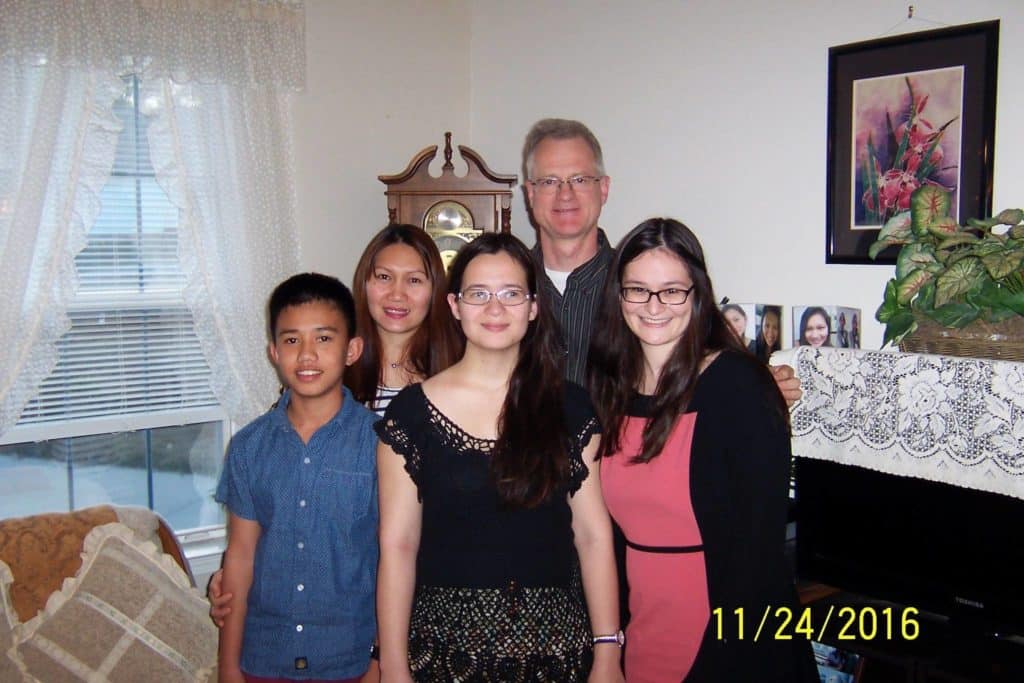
968, 602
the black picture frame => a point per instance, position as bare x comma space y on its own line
975, 48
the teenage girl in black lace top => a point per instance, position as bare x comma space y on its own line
486, 487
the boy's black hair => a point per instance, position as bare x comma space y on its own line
308, 287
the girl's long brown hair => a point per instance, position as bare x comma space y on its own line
615, 366
530, 461
433, 347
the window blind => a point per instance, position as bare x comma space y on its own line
132, 347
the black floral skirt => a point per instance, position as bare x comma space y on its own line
512, 634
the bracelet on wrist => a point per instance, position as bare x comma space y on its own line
617, 638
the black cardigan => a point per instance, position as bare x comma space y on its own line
739, 487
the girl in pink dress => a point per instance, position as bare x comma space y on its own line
694, 469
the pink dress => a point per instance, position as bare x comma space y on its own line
668, 592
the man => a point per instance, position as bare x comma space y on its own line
573, 250
566, 187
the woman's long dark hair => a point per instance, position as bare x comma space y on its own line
433, 347
616, 362
530, 461
805, 319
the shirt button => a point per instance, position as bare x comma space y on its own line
301, 545
302, 503
305, 460
301, 587
299, 628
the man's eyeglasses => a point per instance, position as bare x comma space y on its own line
673, 296
505, 297
577, 183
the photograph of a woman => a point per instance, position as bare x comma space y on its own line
769, 331
815, 327
736, 316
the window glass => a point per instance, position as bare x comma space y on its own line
172, 470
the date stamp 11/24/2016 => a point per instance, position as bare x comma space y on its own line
865, 623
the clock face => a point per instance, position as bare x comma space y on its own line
450, 224
447, 216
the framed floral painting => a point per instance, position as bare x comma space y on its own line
906, 111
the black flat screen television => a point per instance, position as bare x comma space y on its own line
944, 549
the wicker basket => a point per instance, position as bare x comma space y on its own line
1001, 341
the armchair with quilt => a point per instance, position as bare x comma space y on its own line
100, 594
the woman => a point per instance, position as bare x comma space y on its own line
768, 337
401, 314
737, 319
485, 487
815, 327
694, 468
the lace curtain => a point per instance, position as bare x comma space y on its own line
237, 236
217, 75
57, 142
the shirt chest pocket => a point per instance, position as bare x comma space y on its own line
344, 496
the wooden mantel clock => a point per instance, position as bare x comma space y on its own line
453, 210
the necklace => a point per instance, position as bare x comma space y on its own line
394, 366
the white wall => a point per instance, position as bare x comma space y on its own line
384, 79
712, 111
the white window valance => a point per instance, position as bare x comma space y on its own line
239, 42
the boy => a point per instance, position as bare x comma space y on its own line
300, 485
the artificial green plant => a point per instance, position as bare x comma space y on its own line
954, 274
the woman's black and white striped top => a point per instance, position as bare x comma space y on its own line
383, 398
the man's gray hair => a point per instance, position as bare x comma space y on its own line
559, 129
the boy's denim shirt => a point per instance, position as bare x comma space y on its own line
311, 604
